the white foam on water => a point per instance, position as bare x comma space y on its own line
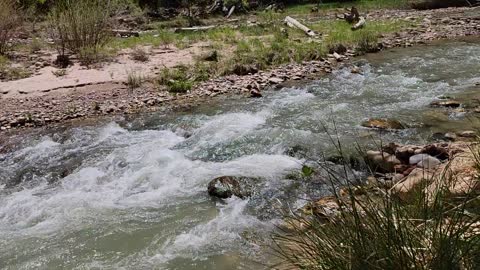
219, 233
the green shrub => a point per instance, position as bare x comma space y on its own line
81, 26
10, 19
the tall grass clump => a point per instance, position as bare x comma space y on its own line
10, 19
82, 26
377, 230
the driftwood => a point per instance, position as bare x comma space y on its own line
291, 22
361, 22
194, 29
230, 12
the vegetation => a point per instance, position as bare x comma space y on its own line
10, 19
374, 229
81, 26
134, 80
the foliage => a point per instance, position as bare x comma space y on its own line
10, 19
139, 54
177, 80
81, 26
134, 80
373, 229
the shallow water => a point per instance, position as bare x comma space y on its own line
132, 194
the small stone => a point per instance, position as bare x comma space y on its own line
429, 163
254, 93
275, 80
415, 159
450, 136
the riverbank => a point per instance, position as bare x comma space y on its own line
97, 99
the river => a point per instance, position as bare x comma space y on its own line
131, 194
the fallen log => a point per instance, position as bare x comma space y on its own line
194, 29
361, 22
230, 12
291, 22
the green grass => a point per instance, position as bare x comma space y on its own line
362, 5
374, 229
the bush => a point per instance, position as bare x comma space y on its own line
81, 26
379, 231
10, 19
177, 79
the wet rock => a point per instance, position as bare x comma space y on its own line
381, 161
467, 134
446, 103
227, 186
383, 124
450, 136
254, 93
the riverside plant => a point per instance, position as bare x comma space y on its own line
377, 230
82, 26
10, 19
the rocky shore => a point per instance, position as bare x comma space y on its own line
114, 98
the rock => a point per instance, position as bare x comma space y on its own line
429, 163
424, 161
418, 178
383, 124
467, 134
415, 159
400, 168
446, 103
275, 80
337, 48
381, 161
355, 70
211, 56
337, 57
436, 151
404, 153
242, 70
225, 187
450, 136
254, 93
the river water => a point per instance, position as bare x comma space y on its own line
131, 194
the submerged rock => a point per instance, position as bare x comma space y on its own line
382, 123
225, 187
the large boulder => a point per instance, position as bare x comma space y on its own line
225, 187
